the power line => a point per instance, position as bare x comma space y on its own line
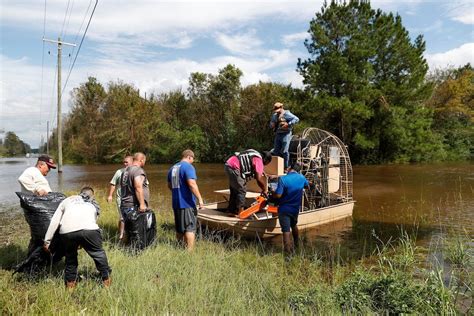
80, 45
64, 20
78, 31
68, 20
42, 64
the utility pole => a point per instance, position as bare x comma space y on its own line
47, 138
59, 117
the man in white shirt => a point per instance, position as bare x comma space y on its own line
33, 178
76, 218
115, 185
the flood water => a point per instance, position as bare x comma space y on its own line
433, 199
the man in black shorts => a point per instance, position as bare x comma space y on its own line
182, 183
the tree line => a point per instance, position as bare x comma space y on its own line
365, 80
12, 146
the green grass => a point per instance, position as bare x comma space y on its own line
227, 276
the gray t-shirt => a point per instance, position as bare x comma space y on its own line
116, 182
129, 198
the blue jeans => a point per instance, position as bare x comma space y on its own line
281, 146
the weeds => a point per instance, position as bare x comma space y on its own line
227, 275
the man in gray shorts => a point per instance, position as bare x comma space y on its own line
182, 183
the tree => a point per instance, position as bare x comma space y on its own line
14, 146
363, 66
453, 106
84, 124
216, 99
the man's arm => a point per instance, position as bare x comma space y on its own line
195, 189
169, 186
27, 181
291, 118
273, 121
279, 190
54, 224
138, 184
262, 183
111, 192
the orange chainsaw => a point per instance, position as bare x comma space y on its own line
260, 205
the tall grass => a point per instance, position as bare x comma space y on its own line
226, 275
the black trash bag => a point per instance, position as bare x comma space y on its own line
38, 258
35, 262
140, 229
38, 211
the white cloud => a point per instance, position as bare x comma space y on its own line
461, 11
456, 57
243, 44
294, 39
23, 108
114, 20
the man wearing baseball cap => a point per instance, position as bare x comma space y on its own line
33, 178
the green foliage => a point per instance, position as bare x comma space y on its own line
317, 300
222, 276
12, 146
365, 82
215, 118
363, 69
453, 106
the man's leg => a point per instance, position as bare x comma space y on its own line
178, 224
91, 241
241, 192
231, 208
121, 227
189, 238
288, 246
121, 223
277, 148
285, 147
295, 233
70, 246
285, 224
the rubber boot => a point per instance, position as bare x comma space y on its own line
107, 282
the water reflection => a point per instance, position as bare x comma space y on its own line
428, 199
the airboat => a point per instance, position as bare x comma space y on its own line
325, 163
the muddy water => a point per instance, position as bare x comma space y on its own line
432, 199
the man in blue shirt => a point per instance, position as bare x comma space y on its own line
282, 122
182, 183
289, 194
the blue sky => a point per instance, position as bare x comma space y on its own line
156, 44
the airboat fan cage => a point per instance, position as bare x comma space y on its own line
325, 162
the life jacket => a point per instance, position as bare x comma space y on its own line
247, 171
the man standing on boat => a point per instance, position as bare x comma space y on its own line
182, 183
282, 122
240, 168
33, 178
289, 194
135, 194
116, 186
